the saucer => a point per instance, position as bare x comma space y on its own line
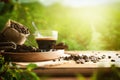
32, 56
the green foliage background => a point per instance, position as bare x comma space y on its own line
74, 29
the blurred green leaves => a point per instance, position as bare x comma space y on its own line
80, 77
73, 24
10, 71
112, 74
31, 66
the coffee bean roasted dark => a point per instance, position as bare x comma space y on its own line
103, 56
109, 57
112, 60
20, 28
22, 48
80, 59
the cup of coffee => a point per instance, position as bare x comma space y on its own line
46, 39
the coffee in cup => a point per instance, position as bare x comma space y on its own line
46, 39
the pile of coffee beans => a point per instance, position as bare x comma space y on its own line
2, 38
20, 28
61, 45
22, 48
81, 59
25, 48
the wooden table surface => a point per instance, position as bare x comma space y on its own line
70, 68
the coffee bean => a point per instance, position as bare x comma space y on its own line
23, 48
85, 57
26, 31
20, 28
76, 57
12, 25
103, 56
94, 61
109, 57
99, 58
66, 58
86, 60
54, 60
118, 56
60, 44
59, 59
91, 57
71, 56
81, 61
112, 60
77, 61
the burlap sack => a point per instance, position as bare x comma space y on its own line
11, 34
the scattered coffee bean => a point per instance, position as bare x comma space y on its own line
99, 58
85, 57
117, 54
94, 61
76, 57
91, 57
86, 60
109, 57
82, 61
103, 56
112, 60
54, 60
71, 57
59, 59
60, 44
77, 62
66, 58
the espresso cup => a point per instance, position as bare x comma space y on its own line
46, 39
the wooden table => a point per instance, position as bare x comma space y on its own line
67, 70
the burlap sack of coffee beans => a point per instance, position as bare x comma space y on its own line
16, 32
